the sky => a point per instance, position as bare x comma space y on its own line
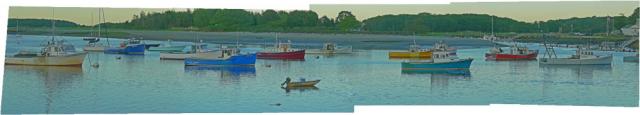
522, 11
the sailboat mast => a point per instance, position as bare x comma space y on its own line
99, 25
492, 26
53, 24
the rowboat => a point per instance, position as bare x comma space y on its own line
441, 59
281, 51
302, 83
168, 47
132, 46
330, 48
181, 55
226, 56
515, 53
583, 56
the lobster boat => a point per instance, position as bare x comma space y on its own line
282, 51
514, 53
131, 46
226, 56
330, 48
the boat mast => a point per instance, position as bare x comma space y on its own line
492, 26
53, 24
99, 25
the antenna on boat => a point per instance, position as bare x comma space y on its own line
237, 38
53, 24
414, 39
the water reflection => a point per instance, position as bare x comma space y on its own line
583, 74
54, 79
300, 89
440, 77
228, 74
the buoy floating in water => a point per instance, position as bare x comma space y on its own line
95, 65
268, 65
118, 57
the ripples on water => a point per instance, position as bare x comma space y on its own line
145, 84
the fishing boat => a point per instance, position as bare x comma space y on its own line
168, 47
583, 56
414, 52
52, 54
226, 56
282, 51
331, 48
631, 58
439, 60
515, 53
181, 55
131, 46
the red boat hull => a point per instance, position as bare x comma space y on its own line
529, 56
282, 55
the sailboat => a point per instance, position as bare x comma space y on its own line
491, 37
281, 51
414, 52
93, 44
54, 53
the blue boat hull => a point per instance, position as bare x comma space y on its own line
130, 49
462, 64
234, 70
248, 59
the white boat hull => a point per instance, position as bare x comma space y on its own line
176, 56
68, 60
337, 51
568, 61
93, 48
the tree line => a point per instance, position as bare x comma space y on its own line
309, 21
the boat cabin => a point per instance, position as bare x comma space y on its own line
517, 50
583, 53
414, 48
283, 47
329, 46
440, 46
442, 56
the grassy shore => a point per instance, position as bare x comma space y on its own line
357, 40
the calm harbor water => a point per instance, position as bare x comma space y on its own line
146, 84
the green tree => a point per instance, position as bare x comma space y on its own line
347, 21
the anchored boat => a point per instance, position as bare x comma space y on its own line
630, 58
282, 51
181, 55
414, 52
514, 53
93, 44
583, 56
53, 54
226, 56
131, 46
331, 48
440, 59
168, 47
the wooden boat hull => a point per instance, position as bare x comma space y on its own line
247, 59
568, 61
425, 54
167, 49
129, 49
461, 64
303, 84
69, 60
282, 55
530, 56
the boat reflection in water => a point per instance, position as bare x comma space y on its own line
440, 77
583, 73
226, 73
300, 89
55, 79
